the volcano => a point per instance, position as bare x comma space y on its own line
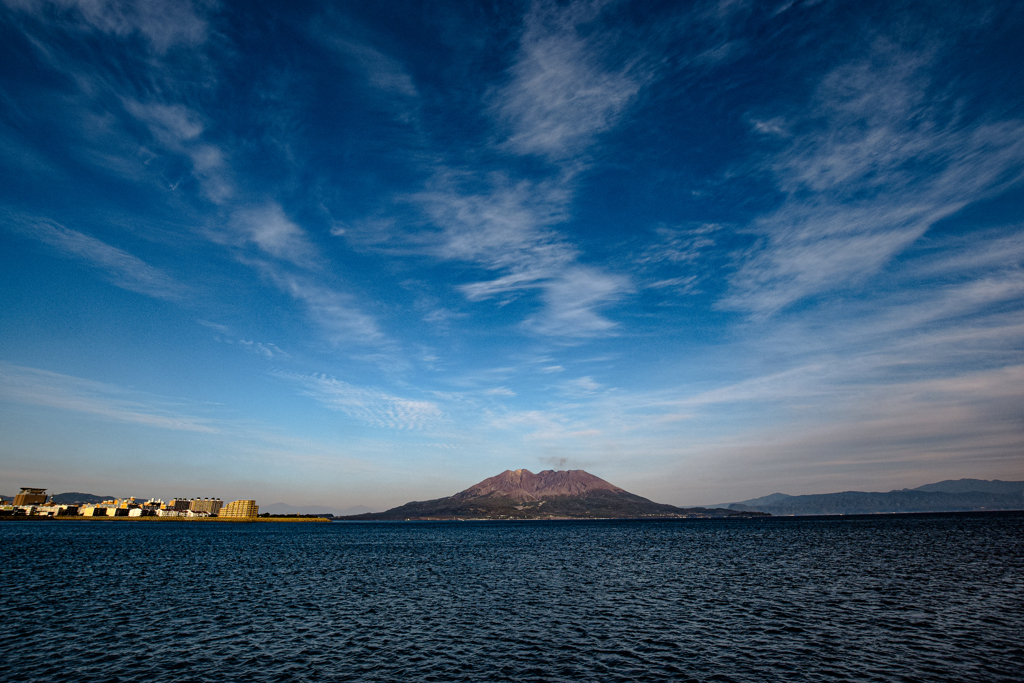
551, 494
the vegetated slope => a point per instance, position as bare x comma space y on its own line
521, 494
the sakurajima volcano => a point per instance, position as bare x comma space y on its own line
551, 494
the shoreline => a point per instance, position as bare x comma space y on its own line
226, 520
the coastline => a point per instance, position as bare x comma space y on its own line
225, 520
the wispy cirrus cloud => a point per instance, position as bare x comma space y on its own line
511, 229
561, 95
274, 233
178, 130
870, 166
337, 313
32, 386
118, 267
383, 72
370, 406
164, 23
921, 376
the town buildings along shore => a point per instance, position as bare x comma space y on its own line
33, 502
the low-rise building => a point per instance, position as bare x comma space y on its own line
61, 510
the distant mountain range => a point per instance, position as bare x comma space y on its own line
961, 495
521, 494
75, 497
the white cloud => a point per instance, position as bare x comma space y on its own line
872, 164
171, 124
118, 267
509, 230
371, 406
263, 348
382, 71
678, 245
571, 300
580, 387
178, 130
41, 388
165, 23
273, 232
509, 226
335, 312
560, 96
223, 329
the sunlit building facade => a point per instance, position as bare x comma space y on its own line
209, 505
30, 497
240, 509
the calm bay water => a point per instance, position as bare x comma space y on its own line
921, 598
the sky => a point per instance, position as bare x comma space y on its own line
340, 253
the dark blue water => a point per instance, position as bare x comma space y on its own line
923, 598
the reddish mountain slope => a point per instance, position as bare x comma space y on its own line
523, 485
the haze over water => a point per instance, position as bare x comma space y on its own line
929, 597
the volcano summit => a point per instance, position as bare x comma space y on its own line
551, 494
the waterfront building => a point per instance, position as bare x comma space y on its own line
30, 497
61, 510
178, 504
240, 509
208, 505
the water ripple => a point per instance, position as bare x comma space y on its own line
916, 598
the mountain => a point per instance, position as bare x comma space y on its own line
521, 494
946, 496
973, 486
75, 497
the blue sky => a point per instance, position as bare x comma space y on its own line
365, 253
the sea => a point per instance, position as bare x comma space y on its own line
874, 598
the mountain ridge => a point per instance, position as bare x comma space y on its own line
960, 495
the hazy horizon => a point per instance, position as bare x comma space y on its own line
343, 255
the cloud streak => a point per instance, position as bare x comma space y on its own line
48, 389
165, 23
370, 406
118, 267
334, 312
510, 230
560, 97
881, 170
